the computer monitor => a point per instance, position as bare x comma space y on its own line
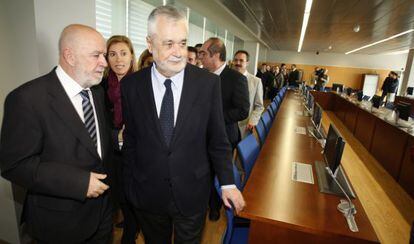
360, 95
337, 87
376, 101
410, 91
349, 91
334, 146
403, 110
309, 102
332, 154
317, 115
365, 98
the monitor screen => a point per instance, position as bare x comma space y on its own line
403, 110
337, 87
309, 103
317, 115
349, 91
410, 90
360, 95
376, 101
334, 147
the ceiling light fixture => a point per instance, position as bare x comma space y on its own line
306, 15
381, 41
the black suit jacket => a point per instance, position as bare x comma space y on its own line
46, 148
236, 104
155, 173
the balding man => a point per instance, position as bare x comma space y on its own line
55, 142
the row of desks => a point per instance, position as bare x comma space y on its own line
285, 211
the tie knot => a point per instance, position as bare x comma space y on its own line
167, 83
84, 94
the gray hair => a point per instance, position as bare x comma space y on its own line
171, 12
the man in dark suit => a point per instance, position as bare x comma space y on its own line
293, 77
174, 133
55, 142
235, 97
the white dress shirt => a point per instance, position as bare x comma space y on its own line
219, 70
158, 88
72, 89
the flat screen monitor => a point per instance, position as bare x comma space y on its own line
376, 101
309, 102
337, 87
317, 115
403, 110
333, 150
410, 91
360, 95
348, 91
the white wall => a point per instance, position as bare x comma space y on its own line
393, 62
51, 17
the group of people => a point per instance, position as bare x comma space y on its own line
149, 136
275, 77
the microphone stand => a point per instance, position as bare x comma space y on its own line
346, 206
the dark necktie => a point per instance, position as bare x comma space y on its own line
88, 115
167, 113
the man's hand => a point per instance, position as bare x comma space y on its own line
235, 197
249, 127
96, 186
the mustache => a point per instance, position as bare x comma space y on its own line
176, 59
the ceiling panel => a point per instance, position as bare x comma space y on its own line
278, 23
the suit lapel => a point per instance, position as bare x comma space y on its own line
146, 93
63, 107
188, 97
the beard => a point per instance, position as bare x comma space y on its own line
171, 66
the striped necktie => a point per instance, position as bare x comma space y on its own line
88, 115
167, 113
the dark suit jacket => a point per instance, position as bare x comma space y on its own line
293, 77
154, 172
236, 104
46, 148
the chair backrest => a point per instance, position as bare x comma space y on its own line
274, 106
270, 111
278, 99
248, 149
229, 212
267, 121
261, 132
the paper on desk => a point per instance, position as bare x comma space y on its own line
302, 172
299, 113
300, 130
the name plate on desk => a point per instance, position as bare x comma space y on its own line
300, 130
299, 113
302, 172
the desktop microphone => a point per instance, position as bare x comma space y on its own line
345, 206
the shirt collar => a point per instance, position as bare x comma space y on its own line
71, 87
245, 73
219, 70
177, 80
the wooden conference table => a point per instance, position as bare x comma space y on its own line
285, 211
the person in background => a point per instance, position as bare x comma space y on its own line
235, 100
261, 71
240, 63
192, 55
284, 72
145, 59
56, 143
293, 77
390, 84
121, 60
322, 80
276, 84
198, 63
